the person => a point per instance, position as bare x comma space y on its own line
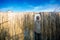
37, 28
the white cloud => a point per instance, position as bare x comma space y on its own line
31, 8
46, 8
6, 9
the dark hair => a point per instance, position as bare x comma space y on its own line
37, 17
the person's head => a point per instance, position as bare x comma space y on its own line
37, 17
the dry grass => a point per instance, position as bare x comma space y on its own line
15, 24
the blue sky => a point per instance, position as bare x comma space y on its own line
29, 5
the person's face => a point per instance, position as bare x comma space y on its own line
37, 17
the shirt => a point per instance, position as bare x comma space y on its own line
37, 27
